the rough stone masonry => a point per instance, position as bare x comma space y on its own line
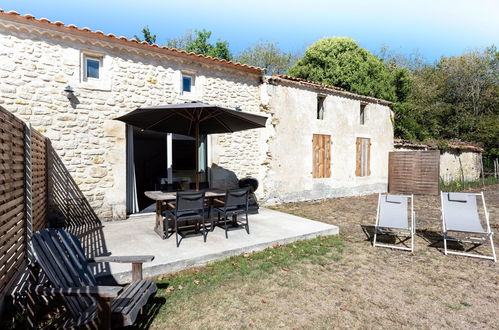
38, 59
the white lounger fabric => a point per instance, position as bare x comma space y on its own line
460, 217
394, 218
393, 212
461, 213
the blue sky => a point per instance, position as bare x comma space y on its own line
433, 28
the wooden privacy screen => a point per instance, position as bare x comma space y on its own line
39, 179
321, 167
414, 172
23, 193
12, 204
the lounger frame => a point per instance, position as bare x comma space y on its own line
400, 232
474, 238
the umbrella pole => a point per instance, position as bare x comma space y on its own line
197, 156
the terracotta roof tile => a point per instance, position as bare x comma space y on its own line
327, 88
71, 28
283, 76
434, 145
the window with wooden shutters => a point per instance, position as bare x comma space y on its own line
363, 164
321, 156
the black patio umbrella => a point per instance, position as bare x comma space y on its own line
192, 119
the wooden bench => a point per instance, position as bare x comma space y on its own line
61, 257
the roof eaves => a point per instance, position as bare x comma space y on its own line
433, 145
73, 29
327, 88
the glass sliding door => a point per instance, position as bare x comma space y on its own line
161, 161
150, 163
184, 160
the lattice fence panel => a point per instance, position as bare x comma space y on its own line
12, 199
39, 179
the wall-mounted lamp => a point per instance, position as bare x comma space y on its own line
69, 92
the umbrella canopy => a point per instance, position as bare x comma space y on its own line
183, 118
192, 119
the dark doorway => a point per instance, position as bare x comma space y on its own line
151, 166
184, 160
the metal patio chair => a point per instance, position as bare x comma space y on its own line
461, 222
189, 205
236, 202
393, 219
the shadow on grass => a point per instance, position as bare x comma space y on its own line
384, 238
149, 313
435, 240
368, 231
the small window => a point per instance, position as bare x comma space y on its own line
187, 83
321, 156
93, 67
320, 107
363, 163
363, 113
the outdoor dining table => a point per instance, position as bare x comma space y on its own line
162, 198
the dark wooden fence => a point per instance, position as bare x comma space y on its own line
414, 172
23, 194
12, 209
37, 191
39, 179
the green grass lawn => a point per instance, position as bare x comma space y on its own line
176, 290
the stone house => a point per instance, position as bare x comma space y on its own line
326, 142
70, 83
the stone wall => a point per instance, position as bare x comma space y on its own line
35, 67
294, 121
455, 165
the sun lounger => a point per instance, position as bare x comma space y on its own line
461, 222
393, 219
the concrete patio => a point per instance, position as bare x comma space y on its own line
136, 236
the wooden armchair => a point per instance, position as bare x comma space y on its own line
61, 257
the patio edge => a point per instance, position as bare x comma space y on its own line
154, 271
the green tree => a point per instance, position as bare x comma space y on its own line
147, 36
342, 62
198, 42
268, 55
180, 42
454, 98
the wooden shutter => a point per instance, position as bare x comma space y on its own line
368, 156
358, 157
321, 145
327, 156
315, 157
363, 157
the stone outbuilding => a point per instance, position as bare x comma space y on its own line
70, 84
459, 161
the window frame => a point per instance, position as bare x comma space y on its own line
93, 57
192, 77
326, 141
362, 114
321, 100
